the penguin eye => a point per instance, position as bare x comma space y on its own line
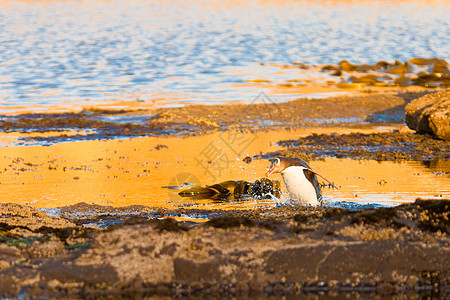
277, 161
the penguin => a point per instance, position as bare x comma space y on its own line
300, 180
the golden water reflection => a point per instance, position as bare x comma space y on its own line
133, 171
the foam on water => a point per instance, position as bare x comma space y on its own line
329, 202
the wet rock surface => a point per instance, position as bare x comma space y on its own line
426, 72
285, 251
97, 124
430, 114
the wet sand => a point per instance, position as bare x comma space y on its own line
121, 242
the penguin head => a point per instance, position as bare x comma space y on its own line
275, 167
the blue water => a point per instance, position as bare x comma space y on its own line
82, 52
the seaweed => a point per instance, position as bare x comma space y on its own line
65, 233
304, 218
263, 188
336, 213
391, 146
383, 215
434, 215
169, 224
230, 222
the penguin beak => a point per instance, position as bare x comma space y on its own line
268, 173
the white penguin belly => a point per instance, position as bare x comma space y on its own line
300, 189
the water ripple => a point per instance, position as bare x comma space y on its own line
54, 52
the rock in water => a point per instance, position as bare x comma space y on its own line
430, 114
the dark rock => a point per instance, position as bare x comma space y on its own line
381, 65
404, 80
248, 159
346, 66
364, 68
330, 68
398, 69
430, 114
336, 73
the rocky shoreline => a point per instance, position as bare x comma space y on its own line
92, 251
430, 114
271, 252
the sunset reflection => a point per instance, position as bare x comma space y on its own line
133, 171
65, 53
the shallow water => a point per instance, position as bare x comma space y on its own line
79, 53
133, 171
